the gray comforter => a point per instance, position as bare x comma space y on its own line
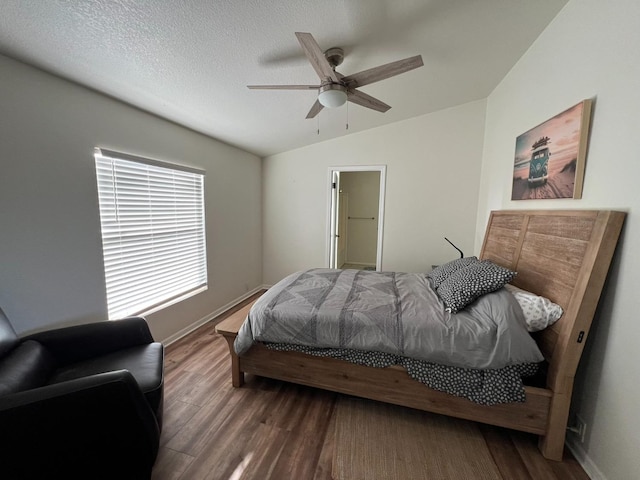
396, 313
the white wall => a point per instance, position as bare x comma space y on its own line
51, 269
363, 190
433, 165
591, 49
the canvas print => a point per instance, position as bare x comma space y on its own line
549, 158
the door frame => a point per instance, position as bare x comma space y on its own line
332, 205
341, 223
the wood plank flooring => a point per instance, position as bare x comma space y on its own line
271, 430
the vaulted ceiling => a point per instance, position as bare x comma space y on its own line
191, 61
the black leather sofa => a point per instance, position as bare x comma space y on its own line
80, 402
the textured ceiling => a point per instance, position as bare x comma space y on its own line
190, 61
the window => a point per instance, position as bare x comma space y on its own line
152, 220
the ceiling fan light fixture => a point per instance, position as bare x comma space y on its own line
332, 95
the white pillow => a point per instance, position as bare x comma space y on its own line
539, 312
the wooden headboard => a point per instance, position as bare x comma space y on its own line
563, 255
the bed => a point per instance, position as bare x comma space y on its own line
562, 255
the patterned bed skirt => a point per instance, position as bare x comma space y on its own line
486, 387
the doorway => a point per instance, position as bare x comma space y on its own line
355, 220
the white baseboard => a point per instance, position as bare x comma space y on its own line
197, 324
584, 460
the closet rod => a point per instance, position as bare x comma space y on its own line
361, 218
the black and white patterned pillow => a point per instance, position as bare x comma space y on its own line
471, 282
442, 272
539, 312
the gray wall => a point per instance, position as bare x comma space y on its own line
51, 270
590, 50
433, 166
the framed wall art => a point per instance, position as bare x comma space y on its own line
549, 158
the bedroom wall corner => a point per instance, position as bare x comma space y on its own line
587, 51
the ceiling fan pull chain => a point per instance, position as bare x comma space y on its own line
347, 126
318, 117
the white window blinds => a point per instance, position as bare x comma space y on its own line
152, 219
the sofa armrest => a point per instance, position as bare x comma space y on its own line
95, 427
80, 342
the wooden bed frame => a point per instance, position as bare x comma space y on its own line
563, 255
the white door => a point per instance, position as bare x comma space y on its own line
334, 209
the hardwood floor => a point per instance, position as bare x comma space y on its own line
274, 430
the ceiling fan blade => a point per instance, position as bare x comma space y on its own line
315, 109
383, 71
368, 101
283, 87
316, 56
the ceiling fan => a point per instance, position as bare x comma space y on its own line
335, 89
